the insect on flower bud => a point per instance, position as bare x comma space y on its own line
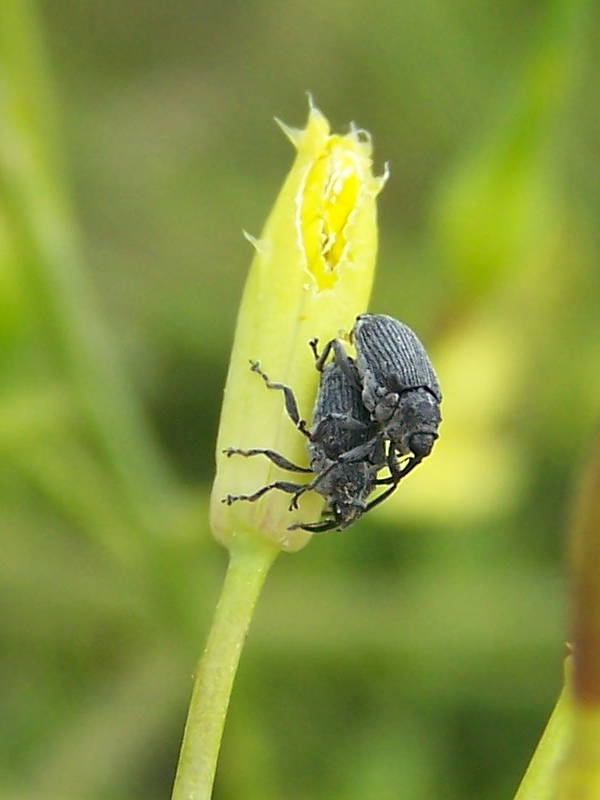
311, 275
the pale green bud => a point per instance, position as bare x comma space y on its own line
311, 275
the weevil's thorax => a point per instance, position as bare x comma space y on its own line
413, 422
347, 482
346, 488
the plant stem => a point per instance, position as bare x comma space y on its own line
539, 781
249, 563
49, 265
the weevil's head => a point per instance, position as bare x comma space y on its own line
346, 514
421, 444
414, 424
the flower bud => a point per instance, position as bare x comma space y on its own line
311, 275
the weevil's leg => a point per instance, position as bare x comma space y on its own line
414, 462
396, 471
339, 354
383, 496
362, 452
276, 458
384, 481
344, 421
291, 488
314, 527
314, 484
313, 346
341, 358
291, 406
321, 359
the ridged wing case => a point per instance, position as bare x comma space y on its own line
390, 356
340, 395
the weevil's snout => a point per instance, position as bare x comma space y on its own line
421, 444
347, 513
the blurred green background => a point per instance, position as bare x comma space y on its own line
418, 654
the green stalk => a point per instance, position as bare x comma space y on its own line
249, 563
566, 764
539, 781
48, 258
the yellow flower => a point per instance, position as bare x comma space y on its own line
311, 275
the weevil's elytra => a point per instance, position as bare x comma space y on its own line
340, 424
399, 388
341, 397
390, 356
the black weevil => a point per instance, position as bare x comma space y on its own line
399, 388
340, 423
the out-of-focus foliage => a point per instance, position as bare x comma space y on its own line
418, 654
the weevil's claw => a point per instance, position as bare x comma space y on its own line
313, 346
